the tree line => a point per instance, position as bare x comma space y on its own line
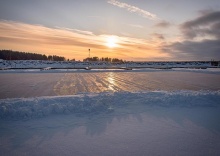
16, 55
106, 59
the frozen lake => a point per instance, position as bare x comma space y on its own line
110, 113
17, 85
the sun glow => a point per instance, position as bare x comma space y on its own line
111, 42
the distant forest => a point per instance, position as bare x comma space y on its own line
16, 55
106, 59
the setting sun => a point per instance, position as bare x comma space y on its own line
111, 41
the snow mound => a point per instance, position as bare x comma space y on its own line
84, 104
17, 64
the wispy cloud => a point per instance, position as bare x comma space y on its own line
136, 26
158, 36
77, 31
163, 24
134, 9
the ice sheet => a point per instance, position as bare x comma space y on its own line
17, 85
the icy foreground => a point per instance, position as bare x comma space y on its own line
149, 112
121, 123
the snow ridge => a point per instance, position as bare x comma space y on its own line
84, 104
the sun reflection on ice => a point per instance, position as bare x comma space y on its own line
111, 82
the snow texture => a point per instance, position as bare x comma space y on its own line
84, 104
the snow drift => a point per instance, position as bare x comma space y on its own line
16, 64
83, 104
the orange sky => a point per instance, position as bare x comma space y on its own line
72, 43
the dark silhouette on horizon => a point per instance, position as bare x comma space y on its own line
16, 55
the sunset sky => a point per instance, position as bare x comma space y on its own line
138, 30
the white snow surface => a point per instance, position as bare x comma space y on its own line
7, 64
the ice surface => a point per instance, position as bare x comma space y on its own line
17, 85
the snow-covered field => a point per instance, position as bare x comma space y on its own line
138, 112
6, 64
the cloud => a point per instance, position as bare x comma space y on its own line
192, 50
134, 9
136, 26
207, 25
40, 34
163, 24
201, 39
76, 30
158, 36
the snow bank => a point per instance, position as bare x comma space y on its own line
6, 64
96, 70
28, 108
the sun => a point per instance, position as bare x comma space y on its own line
111, 42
